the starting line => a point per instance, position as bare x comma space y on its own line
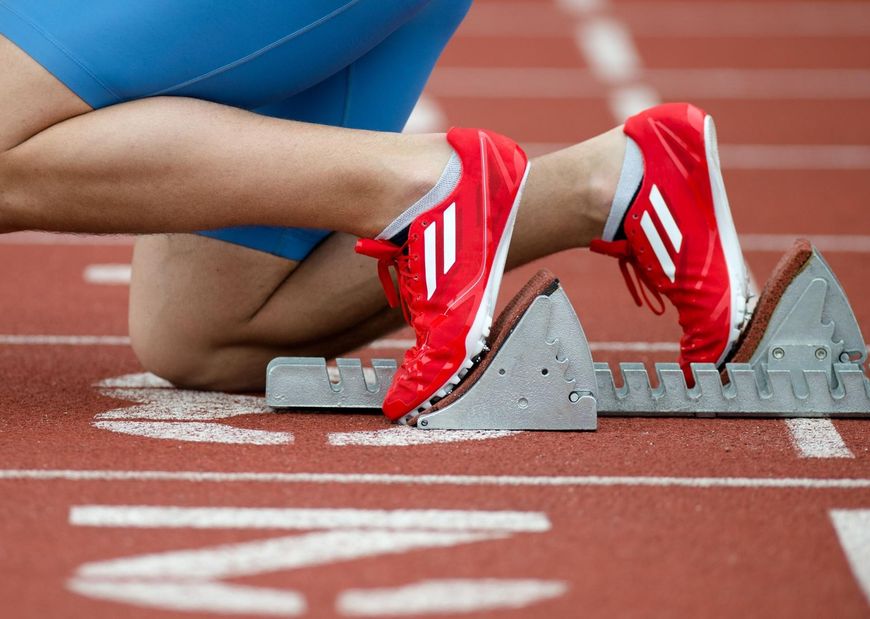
752, 483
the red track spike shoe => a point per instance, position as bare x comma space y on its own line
450, 269
679, 234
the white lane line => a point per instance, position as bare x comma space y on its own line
645, 347
817, 438
402, 344
108, 274
196, 432
64, 340
403, 436
148, 516
609, 49
795, 156
772, 483
692, 20
447, 596
829, 243
606, 43
747, 19
853, 529
188, 595
721, 83
426, 117
766, 156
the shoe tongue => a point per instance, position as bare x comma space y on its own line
401, 238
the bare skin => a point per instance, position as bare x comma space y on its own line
208, 314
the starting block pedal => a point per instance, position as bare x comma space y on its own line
802, 355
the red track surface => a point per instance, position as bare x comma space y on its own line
621, 536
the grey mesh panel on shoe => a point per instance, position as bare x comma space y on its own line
629, 181
443, 188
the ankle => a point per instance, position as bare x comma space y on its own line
411, 174
605, 164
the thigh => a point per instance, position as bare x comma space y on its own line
31, 98
377, 92
245, 54
190, 285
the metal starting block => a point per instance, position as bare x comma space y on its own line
802, 355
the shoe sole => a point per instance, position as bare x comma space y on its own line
737, 273
475, 341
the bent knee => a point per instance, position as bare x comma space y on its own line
190, 362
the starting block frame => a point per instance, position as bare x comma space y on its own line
540, 374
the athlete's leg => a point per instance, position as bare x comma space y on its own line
161, 152
567, 227
183, 328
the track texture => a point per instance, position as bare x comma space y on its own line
656, 518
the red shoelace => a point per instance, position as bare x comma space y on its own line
622, 251
394, 256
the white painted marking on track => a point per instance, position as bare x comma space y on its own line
196, 432
766, 157
627, 101
698, 20
828, 243
402, 344
193, 579
135, 381
817, 438
853, 529
426, 117
403, 436
150, 516
181, 405
694, 20
164, 413
108, 274
556, 481
64, 340
722, 83
609, 49
448, 596
191, 596
576, 6
795, 156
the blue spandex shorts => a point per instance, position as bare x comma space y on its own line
348, 63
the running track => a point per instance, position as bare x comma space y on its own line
121, 496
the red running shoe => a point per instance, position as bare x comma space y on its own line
679, 235
450, 269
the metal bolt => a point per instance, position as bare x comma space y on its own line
778, 353
523, 403
821, 353
424, 423
845, 358
574, 396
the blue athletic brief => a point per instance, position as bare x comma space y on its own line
348, 63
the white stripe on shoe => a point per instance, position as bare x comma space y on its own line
449, 237
430, 257
658, 246
666, 218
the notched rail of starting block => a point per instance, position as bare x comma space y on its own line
808, 361
747, 393
305, 382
